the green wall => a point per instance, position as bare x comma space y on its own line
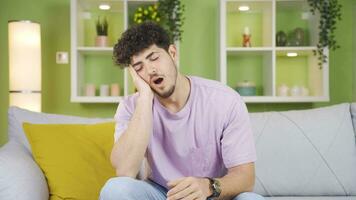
199, 55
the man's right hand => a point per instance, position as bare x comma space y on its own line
143, 88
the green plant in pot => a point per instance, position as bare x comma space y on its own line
101, 33
330, 14
167, 13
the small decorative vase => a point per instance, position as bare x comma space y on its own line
246, 88
291, 39
115, 90
295, 91
101, 41
90, 90
281, 38
246, 37
299, 37
305, 91
283, 90
104, 90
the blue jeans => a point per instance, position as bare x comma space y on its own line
125, 188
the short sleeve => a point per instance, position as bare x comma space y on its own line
122, 118
237, 142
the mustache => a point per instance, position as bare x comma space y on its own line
155, 76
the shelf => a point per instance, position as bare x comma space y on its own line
258, 19
97, 69
304, 48
97, 99
299, 71
93, 5
276, 99
94, 65
274, 64
86, 13
250, 66
295, 14
239, 49
95, 50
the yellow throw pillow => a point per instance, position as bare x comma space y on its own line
75, 158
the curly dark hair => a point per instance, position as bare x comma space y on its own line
137, 38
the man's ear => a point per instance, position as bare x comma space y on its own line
172, 50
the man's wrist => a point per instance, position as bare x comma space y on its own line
145, 98
214, 188
208, 185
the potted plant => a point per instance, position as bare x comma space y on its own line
102, 33
167, 13
330, 13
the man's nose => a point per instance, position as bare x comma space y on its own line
152, 70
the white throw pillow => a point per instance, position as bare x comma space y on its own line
17, 116
20, 176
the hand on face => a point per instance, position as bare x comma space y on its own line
143, 88
189, 188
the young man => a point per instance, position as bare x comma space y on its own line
195, 133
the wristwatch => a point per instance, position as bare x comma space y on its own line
215, 187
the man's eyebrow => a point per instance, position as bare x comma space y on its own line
149, 55
139, 62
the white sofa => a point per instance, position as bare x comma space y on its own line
302, 155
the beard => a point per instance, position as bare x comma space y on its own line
170, 91
165, 94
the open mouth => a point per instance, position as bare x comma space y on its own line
158, 81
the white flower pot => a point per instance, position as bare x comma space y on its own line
101, 41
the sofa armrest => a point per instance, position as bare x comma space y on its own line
20, 176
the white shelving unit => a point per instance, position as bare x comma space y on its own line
91, 64
265, 63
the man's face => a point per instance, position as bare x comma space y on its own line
157, 67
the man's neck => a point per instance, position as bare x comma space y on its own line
180, 96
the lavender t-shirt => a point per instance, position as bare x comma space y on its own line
210, 134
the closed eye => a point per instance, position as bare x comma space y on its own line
138, 68
153, 58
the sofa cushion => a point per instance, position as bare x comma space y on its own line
16, 116
75, 158
308, 152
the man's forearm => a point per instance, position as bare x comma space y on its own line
238, 180
128, 152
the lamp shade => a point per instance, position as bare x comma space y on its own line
25, 64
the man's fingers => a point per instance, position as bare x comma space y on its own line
133, 72
175, 182
181, 194
192, 196
179, 187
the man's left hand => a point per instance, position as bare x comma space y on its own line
189, 188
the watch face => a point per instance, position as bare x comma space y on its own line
216, 188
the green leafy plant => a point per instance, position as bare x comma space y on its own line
102, 27
330, 13
147, 13
167, 13
171, 12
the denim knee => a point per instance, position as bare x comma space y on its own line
249, 196
119, 188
